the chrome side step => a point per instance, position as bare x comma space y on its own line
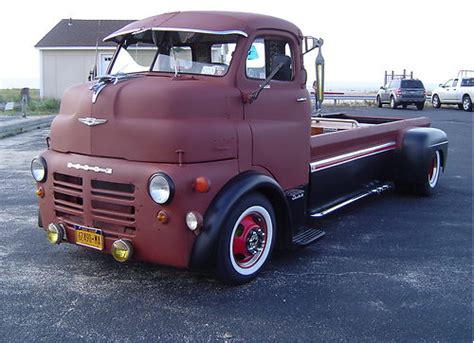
376, 190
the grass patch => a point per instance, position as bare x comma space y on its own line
36, 105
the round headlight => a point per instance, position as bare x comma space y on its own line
38, 169
161, 188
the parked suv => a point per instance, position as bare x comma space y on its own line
402, 92
458, 91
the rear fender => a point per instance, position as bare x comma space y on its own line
418, 147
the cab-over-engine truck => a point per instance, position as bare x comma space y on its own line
198, 148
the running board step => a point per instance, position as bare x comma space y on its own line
307, 235
377, 190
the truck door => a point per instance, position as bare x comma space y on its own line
453, 95
279, 118
445, 90
385, 96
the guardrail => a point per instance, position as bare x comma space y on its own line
340, 96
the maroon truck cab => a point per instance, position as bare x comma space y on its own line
198, 148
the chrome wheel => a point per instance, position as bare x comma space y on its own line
435, 101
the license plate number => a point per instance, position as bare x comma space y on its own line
89, 237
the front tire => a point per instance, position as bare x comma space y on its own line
379, 102
393, 104
246, 241
435, 101
467, 103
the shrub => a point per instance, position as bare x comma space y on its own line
44, 106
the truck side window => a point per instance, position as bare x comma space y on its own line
455, 82
260, 57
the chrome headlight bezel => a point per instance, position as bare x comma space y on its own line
163, 195
43, 171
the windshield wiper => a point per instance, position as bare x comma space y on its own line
173, 53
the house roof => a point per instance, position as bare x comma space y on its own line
69, 33
206, 21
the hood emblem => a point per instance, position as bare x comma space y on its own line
89, 168
104, 80
92, 121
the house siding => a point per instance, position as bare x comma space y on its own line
63, 68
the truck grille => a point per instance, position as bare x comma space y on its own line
68, 200
111, 208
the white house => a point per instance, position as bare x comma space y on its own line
73, 51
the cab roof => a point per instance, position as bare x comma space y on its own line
207, 22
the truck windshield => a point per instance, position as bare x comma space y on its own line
175, 52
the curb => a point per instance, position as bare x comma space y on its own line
21, 125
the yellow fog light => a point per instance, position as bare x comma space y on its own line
122, 250
54, 233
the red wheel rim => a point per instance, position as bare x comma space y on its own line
249, 240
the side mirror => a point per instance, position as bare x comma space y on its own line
311, 43
441, 85
382, 87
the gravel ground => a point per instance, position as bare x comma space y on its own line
393, 268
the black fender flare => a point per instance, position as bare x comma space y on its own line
204, 247
418, 147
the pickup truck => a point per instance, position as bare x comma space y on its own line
458, 91
199, 150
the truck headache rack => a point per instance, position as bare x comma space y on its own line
392, 76
466, 73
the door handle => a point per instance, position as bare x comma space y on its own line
301, 99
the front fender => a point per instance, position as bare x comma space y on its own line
205, 245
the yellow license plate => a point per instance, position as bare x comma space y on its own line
89, 237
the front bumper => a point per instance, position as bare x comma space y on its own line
114, 198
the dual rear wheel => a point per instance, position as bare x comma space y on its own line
434, 169
430, 183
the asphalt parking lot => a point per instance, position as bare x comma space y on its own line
392, 268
